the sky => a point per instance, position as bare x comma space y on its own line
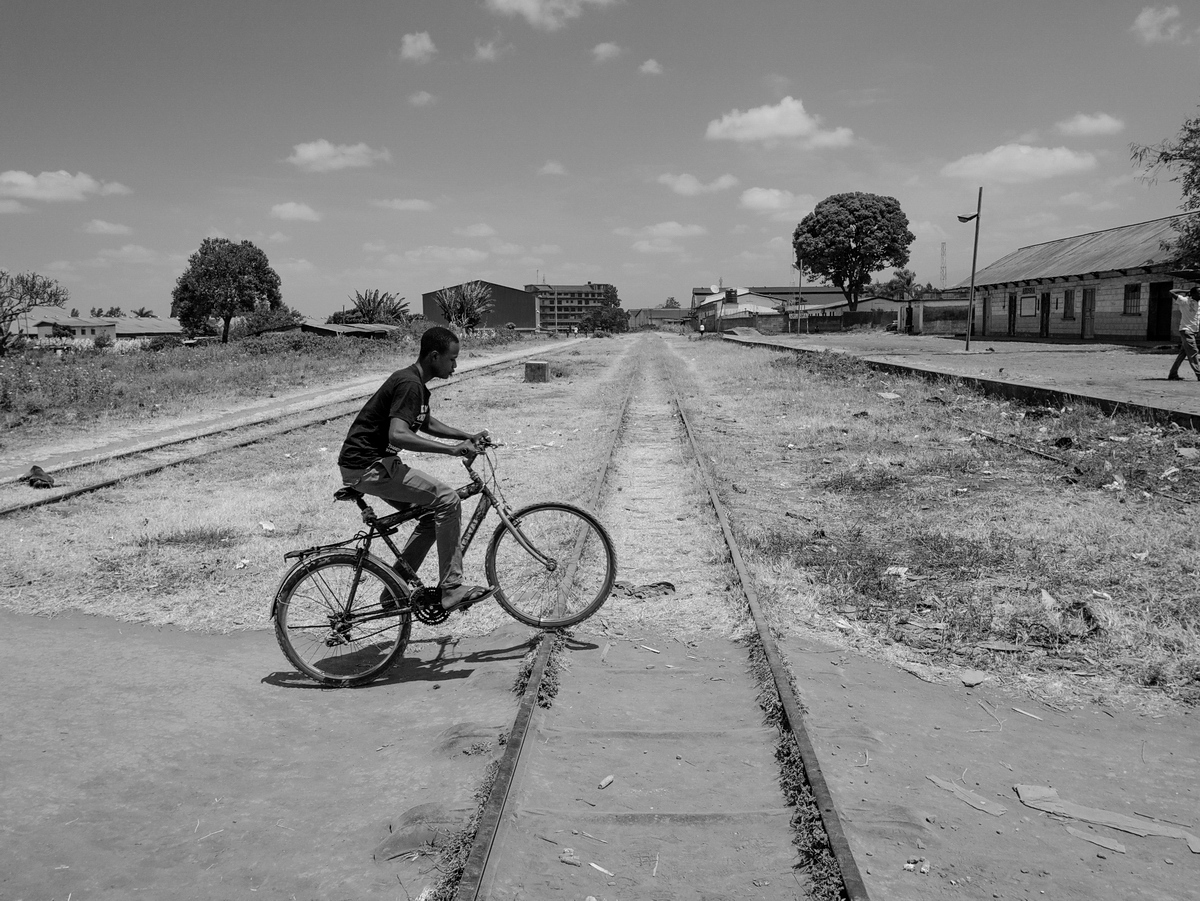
408, 145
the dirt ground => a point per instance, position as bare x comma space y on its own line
182, 765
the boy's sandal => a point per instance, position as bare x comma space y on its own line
474, 596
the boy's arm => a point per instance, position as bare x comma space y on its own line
439, 429
403, 437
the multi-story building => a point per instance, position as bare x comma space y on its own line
562, 307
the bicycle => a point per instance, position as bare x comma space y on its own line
343, 616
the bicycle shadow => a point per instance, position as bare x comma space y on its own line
443, 666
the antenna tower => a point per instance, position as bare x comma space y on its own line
943, 265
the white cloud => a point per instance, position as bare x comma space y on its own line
663, 230
777, 203
278, 238
602, 53
294, 265
546, 249
785, 120
405, 206
690, 186
548, 15
506, 248
1157, 26
100, 227
436, 254
491, 51
421, 98
478, 230
55, 186
1087, 201
651, 67
1081, 124
12, 206
295, 212
322, 156
374, 247
417, 47
552, 167
129, 253
1020, 163
657, 245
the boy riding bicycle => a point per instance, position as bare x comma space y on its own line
393, 418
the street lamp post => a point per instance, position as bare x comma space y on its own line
974, 257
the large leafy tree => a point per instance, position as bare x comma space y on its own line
671, 304
465, 306
373, 306
223, 280
19, 294
1180, 157
847, 237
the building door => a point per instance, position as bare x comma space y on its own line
1044, 315
1087, 317
1012, 315
1158, 315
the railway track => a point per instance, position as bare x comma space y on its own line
111, 469
653, 774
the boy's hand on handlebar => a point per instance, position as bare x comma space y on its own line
466, 448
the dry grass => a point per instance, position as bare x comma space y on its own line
188, 546
835, 474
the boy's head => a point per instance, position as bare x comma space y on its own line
1194, 294
439, 351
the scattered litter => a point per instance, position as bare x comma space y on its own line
1046, 799
568, 857
601, 869
594, 838
1188, 453
1103, 595
648, 648
37, 478
267, 525
979, 803
998, 646
1023, 713
1142, 556
1109, 843
973, 677
607, 648
243, 563
888, 395
912, 863
605, 782
1170, 472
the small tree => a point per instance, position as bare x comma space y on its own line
465, 306
1180, 156
19, 294
671, 304
266, 318
144, 313
223, 280
373, 306
113, 313
849, 236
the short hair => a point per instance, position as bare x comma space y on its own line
437, 339
1195, 292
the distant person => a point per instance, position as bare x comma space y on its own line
1188, 304
701, 329
393, 418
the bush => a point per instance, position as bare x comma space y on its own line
102, 342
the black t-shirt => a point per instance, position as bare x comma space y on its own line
403, 396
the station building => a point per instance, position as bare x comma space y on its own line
1112, 285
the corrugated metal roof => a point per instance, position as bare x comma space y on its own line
1126, 247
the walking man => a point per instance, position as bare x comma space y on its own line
394, 417
1188, 304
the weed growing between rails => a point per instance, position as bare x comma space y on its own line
201, 545
870, 512
817, 861
555, 664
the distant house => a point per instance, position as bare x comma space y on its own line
312, 326
659, 317
509, 305
41, 322
1113, 285
147, 327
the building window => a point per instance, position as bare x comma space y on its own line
1069, 303
1028, 305
1133, 300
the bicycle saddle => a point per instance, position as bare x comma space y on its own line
346, 493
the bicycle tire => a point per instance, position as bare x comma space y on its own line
561, 595
314, 631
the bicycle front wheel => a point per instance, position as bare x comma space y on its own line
553, 568
337, 623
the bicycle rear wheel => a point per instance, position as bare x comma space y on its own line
567, 576
331, 637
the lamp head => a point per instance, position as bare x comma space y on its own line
968, 218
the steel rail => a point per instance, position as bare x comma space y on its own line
332, 410
475, 872
852, 881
